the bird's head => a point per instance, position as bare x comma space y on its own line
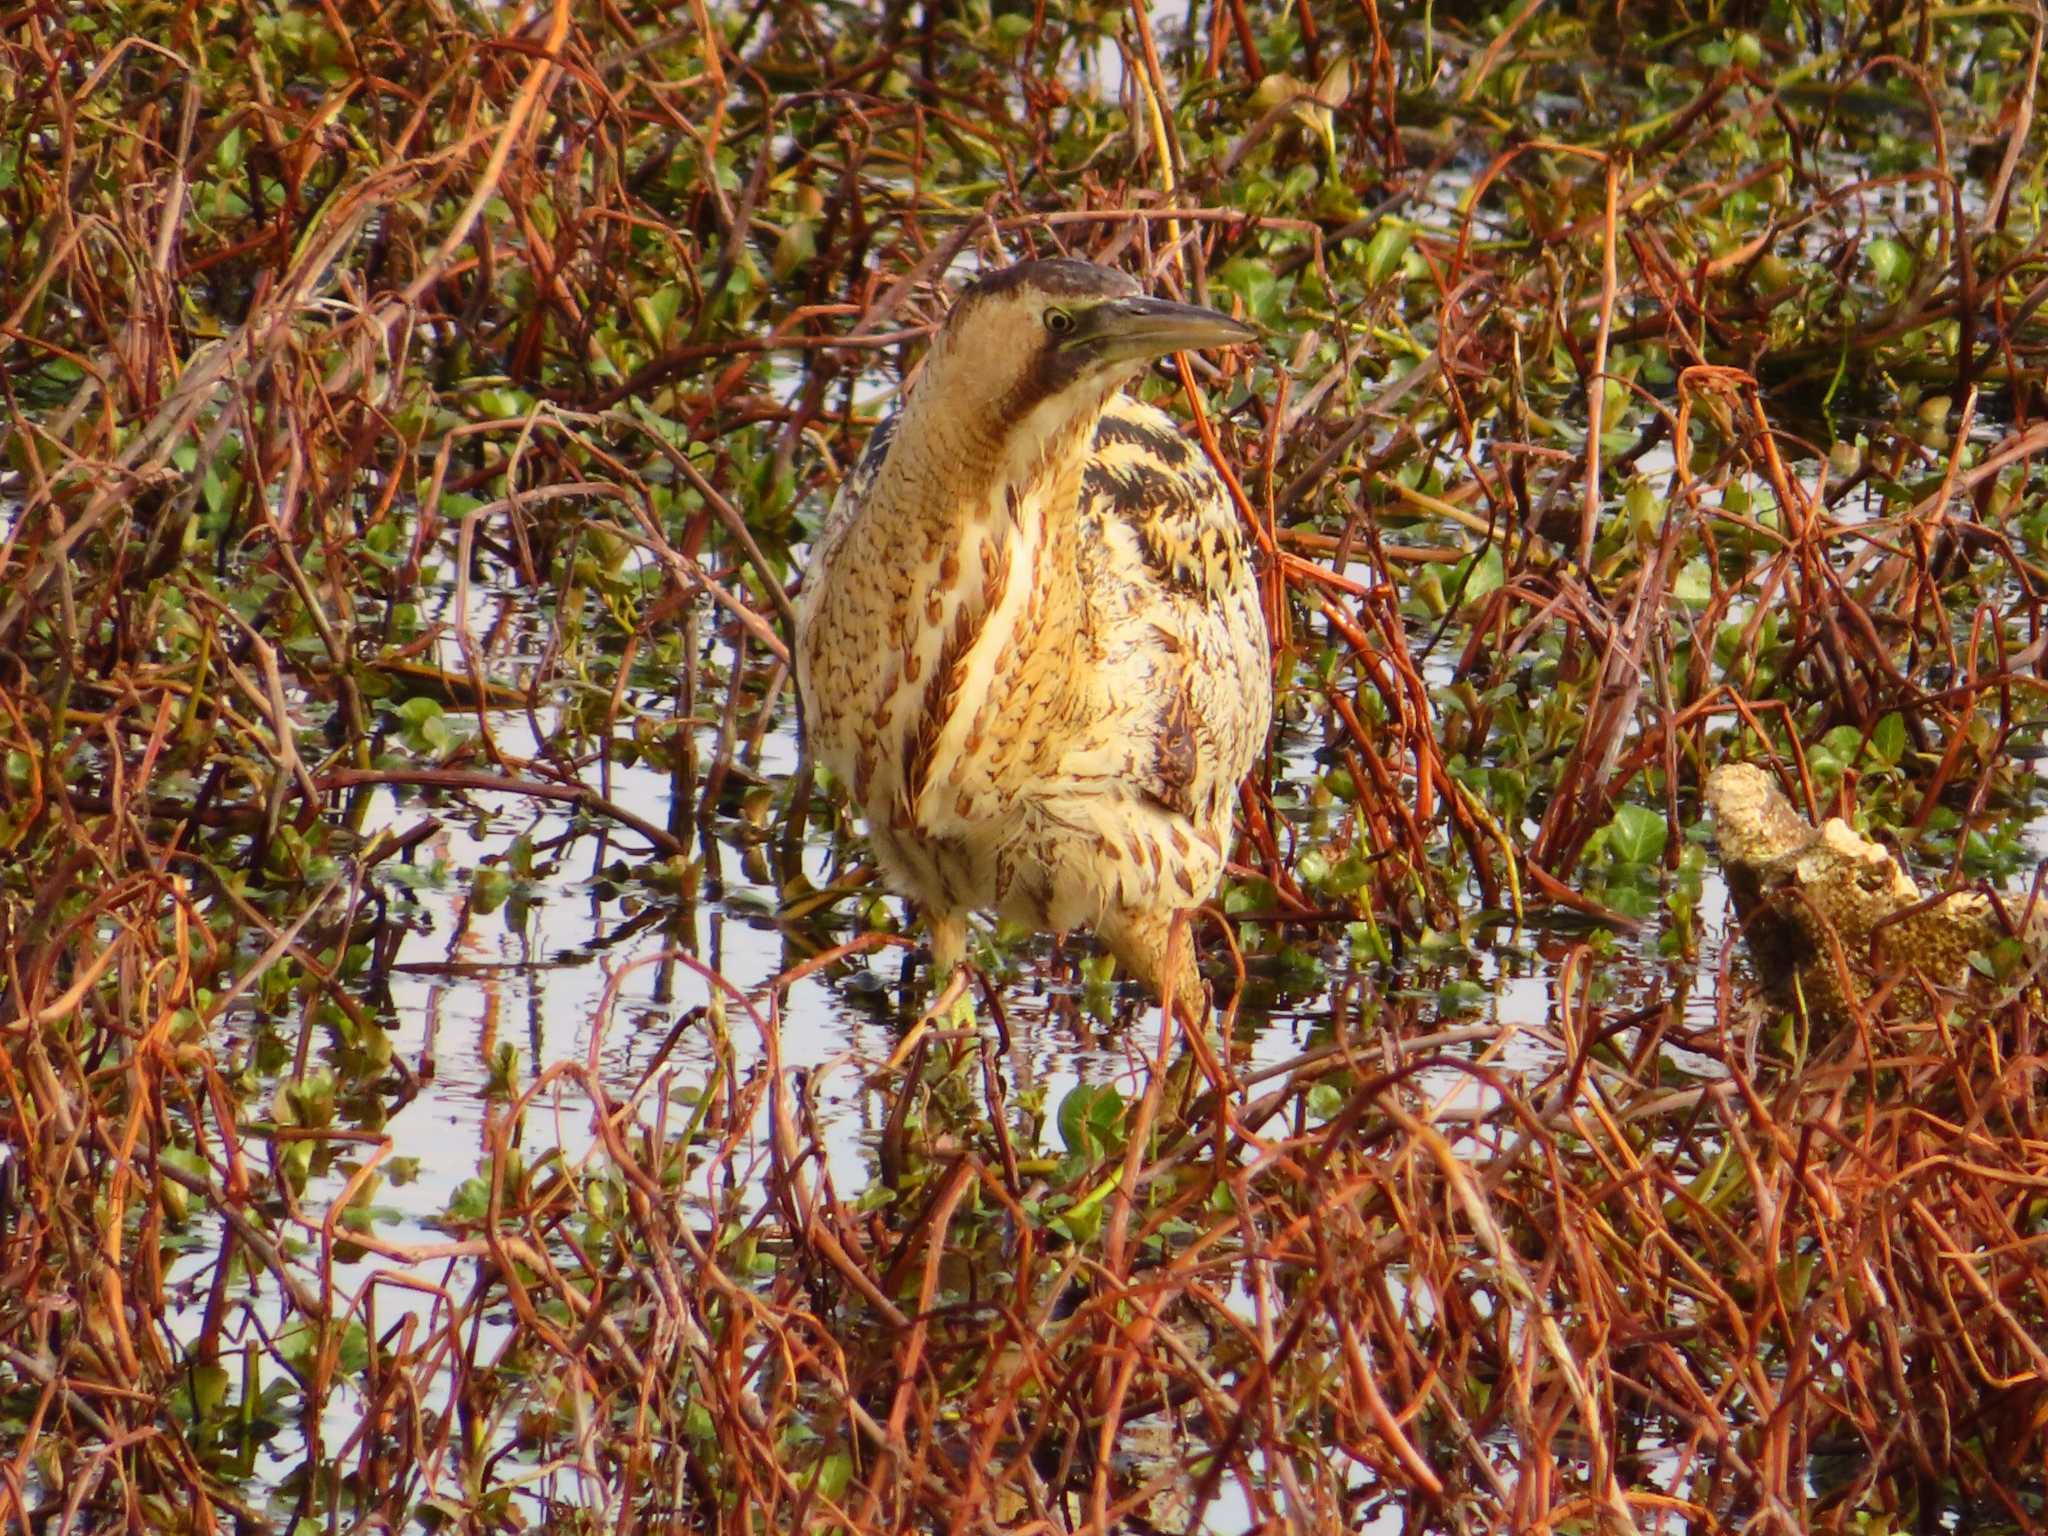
1042, 344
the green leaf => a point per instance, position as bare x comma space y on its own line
1844, 744
419, 709
1097, 971
1636, 835
1695, 584
1254, 280
470, 1203
1460, 997
207, 1391
1891, 261
1090, 1118
1487, 575
834, 1473
1368, 943
1383, 253
488, 889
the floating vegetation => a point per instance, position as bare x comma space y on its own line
456, 1064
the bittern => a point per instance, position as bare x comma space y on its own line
1029, 639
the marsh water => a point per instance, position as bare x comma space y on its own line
459, 1070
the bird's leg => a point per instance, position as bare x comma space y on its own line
949, 944
1143, 945
950, 973
949, 980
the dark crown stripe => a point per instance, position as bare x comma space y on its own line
1059, 277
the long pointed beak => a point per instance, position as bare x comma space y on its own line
1122, 330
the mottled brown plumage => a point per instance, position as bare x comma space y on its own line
1029, 640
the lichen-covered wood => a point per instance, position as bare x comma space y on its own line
1826, 912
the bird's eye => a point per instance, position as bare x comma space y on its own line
1058, 321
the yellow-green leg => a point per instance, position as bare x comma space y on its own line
949, 944
949, 980
1142, 944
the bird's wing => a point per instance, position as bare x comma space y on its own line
1145, 476
1175, 609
